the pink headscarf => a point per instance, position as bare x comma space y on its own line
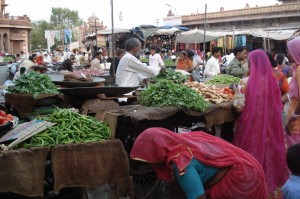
245, 178
259, 128
294, 49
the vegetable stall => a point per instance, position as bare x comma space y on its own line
79, 145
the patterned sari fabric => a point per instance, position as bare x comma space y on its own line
259, 130
294, 131
163, 148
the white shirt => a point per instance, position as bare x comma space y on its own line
212, 67
27, 64
155, 60
47, 59
131, 70
95, 64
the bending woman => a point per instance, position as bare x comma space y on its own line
205, 166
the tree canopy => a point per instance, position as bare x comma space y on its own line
64, 18
60, 19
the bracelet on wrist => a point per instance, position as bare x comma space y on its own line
294, 116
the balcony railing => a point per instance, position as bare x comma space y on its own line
247, 11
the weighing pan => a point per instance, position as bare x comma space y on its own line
92, 92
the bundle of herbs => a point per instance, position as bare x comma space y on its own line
166, 93
33, 83
172, 75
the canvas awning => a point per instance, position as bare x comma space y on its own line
170, 31
109, 31
197, 36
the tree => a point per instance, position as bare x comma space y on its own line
37, 34
62, 18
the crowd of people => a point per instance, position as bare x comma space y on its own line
265, 149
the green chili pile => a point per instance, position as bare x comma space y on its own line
224, 79
71, 127
33, 83
169, 74
166, 93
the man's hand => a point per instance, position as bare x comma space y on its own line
145, 81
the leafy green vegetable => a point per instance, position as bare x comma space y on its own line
8, 59
33, 83
169, 62
170, 74
224, 79
166, 93
144, 59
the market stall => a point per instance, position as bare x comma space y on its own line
72, 151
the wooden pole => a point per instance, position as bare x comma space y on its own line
204, 47
113, 38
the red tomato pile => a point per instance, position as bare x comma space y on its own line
5, 118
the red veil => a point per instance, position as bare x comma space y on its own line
245, 178
259, 129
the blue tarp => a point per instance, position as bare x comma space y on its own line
179, 27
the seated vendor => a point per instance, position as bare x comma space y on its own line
205, 166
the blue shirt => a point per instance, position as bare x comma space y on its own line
291, 189
195, 176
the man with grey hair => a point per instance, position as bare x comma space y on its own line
132, 71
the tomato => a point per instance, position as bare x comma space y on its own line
4, 122
9, 116
2, 113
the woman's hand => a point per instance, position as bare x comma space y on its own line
239, 110
288, 125
284, 99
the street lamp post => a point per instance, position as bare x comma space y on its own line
204, 37
96, 36
113, 38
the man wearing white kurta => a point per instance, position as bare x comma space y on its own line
132, 71
212, 67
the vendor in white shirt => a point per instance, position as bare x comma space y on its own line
132, 71
212, 67
95, 64
155, 58
47, 58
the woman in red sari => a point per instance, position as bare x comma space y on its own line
205, 166
259, 130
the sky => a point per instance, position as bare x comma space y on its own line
127, 13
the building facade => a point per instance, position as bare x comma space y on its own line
14, 32
281, 16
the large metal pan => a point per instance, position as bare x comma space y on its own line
92, 92
58, 79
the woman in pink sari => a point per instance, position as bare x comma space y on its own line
206, 167
293, 118
259, 130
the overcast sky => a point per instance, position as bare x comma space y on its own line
134, 12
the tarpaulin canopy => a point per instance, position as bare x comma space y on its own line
170, 31
179, 27
109, 31
197, 36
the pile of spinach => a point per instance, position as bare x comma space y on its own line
33, 83
170, 74
166, 93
